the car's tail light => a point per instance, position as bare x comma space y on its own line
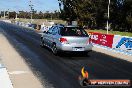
63, 40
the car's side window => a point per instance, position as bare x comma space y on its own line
59, 30
50, 31
55, 30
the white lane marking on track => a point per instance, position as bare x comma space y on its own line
18, 72
5, 81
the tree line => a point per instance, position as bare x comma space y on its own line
36, 15
93, 13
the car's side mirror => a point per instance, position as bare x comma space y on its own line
47, 32
44, 31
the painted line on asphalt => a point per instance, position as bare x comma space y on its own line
18, 72
5, 81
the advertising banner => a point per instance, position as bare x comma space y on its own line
102, 39
122, 43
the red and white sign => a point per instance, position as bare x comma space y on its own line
102, 39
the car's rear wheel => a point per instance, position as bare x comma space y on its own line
54, 49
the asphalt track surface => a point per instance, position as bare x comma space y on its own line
62, 71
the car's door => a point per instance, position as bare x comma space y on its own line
53, 35
47, 37
44, 36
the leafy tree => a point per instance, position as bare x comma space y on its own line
94, 13
12, 14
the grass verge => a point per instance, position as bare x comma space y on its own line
112, 32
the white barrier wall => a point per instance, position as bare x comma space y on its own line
122, 43
8, 21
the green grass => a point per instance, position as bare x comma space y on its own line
112, 32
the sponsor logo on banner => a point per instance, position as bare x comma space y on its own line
102, 39
122, 43
85, 81
127, 42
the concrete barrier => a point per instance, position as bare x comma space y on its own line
7, 21
116, 42
122, 43
5, 81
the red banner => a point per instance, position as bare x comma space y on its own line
102, 39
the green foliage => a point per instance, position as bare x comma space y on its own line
94, 13
112, 32
36, 15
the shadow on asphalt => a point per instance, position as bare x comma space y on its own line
73, 54
68, 54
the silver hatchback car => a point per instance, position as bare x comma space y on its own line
66, 38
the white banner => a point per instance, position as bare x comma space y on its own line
122, 43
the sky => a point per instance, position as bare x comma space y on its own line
39, 5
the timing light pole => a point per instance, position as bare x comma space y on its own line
31, 7
108, 26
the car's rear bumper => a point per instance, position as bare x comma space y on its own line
75, 48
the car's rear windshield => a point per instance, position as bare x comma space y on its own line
73, 31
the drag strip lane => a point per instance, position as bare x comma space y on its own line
63, 71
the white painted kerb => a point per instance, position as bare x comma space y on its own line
5, 81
